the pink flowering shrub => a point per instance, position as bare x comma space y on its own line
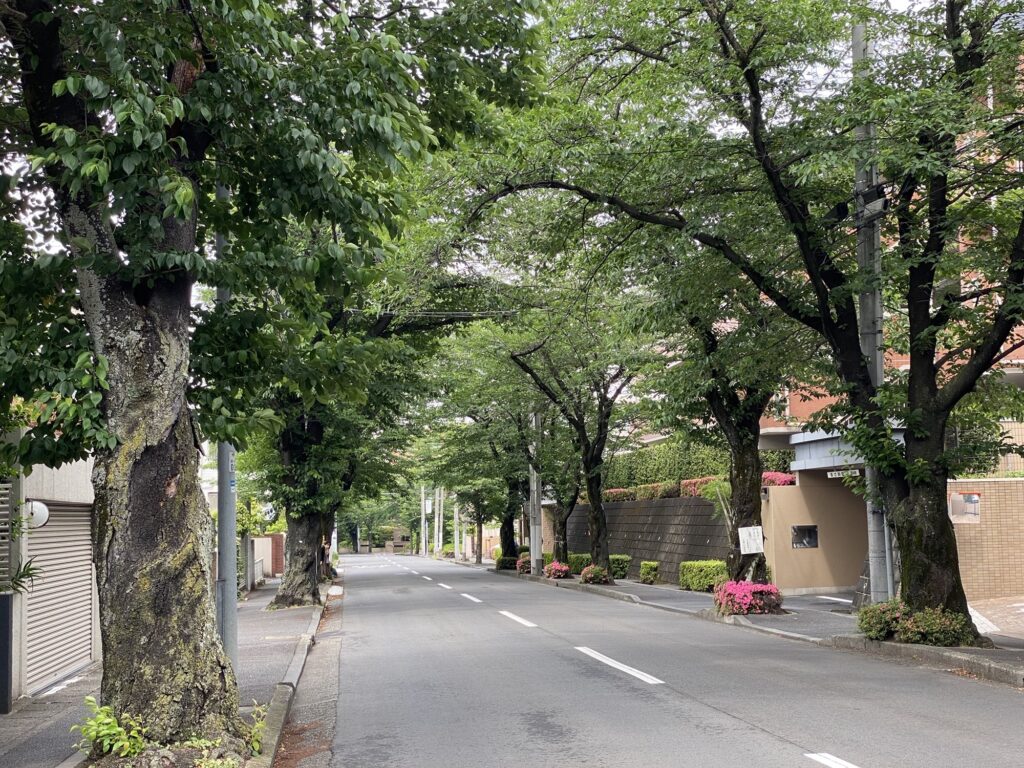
778, 478
594, 574
557, 570
693, 487
523, 563
732, 597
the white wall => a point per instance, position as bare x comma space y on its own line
70, 483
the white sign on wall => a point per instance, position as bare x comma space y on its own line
833, 474
751, 540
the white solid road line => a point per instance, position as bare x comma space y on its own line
830, 760
651, 679
443, 586
428, 578
470, 597
522, 621
837, 599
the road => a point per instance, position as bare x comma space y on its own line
444, 665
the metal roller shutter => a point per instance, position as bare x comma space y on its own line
5, 530
59, 606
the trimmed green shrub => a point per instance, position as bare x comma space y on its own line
505, 564
620, 565
702, 575
524, 551
647, 492
935, 626
878, 622
648, 571
549, 558
578, 561
594, 574
496, 554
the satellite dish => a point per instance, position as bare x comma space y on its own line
36, 514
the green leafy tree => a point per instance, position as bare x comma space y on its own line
732, 127
134, 114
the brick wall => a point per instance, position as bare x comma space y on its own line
992, 550
666, 530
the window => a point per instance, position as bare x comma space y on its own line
805, 537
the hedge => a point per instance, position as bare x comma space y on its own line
620, 565
670, 461
702, 575
505, 564
578, 561
648, 571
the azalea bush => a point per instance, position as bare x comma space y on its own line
743, 597
935, 626
557, 570
594, 574
523, 563
879, 621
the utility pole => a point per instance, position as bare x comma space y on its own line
227, 525
438, 521
456, 545
423, 521
536, 523
871, 205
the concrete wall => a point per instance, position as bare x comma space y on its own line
71, 483
839, 515
666, 530
992, 550
263, 549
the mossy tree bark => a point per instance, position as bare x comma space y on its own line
301, 582
162, 658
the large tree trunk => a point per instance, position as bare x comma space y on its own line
162, 659
479, 541
597, 522
745, 483
513, 508
508, 534
560, 523
301, 582
925, 535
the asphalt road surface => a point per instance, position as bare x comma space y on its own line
454, 667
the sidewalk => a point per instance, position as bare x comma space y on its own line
824, 620
36, 734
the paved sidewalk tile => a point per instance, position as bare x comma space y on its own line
37, 734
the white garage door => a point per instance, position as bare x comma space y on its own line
60, 605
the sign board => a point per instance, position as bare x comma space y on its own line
751, 540
843, 473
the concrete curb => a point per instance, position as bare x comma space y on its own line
986, 669
284, 692
75, 760
277, 716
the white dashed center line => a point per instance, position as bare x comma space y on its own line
830, 760
470, 597
443, 586
521, 620
428, 578
651, 679
415, 573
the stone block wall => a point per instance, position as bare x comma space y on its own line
666, 530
